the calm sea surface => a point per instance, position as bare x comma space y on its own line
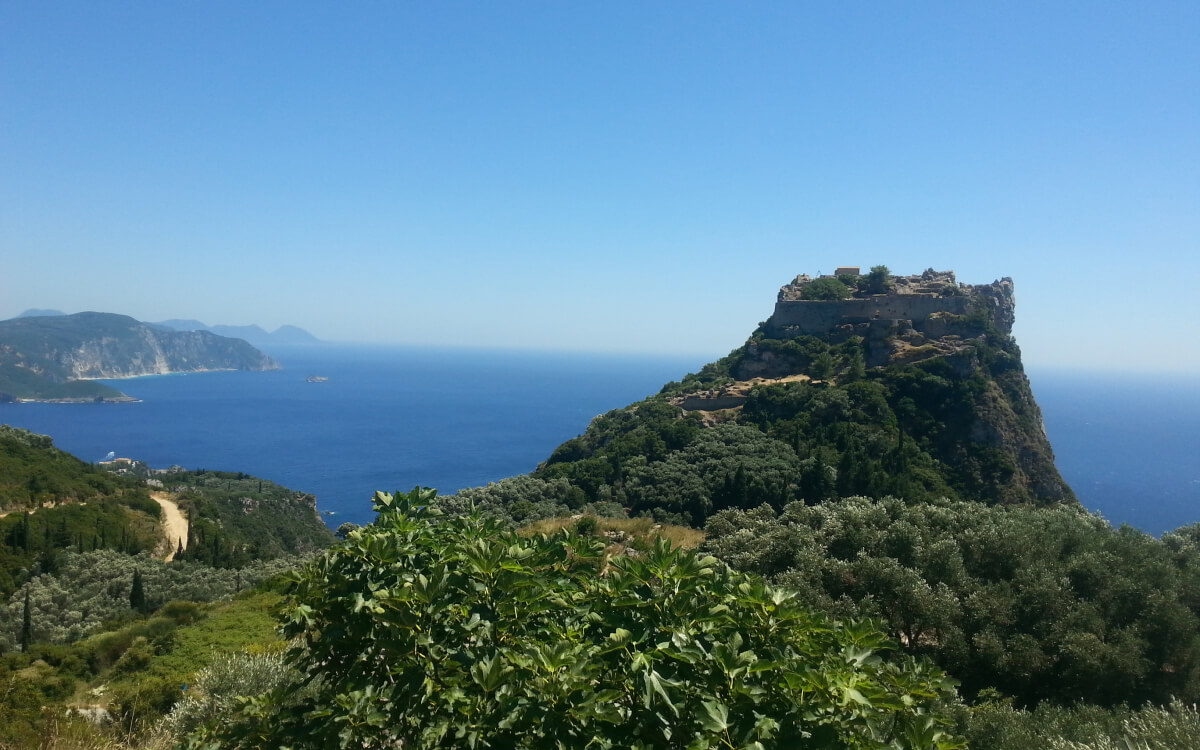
1128, 445
390, 418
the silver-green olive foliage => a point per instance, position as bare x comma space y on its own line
424, 632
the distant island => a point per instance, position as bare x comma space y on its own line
58, 357
286, 335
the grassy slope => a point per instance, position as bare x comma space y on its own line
135, 672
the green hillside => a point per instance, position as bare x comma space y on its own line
51, 502
235, 517
91, 614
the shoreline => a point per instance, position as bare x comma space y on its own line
122, 399
173, 372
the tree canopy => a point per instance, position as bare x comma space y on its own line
1042, 604
825, 289
878, 279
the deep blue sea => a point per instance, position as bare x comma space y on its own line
1129, 445
390, 418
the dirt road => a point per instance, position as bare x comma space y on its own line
175, 526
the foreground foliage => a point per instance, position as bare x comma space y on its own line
458, 633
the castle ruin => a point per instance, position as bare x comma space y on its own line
925, 301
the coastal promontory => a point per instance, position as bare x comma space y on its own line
57, 358
859, 383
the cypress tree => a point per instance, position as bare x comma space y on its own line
48, 561
26, 625
741, 489
137, 594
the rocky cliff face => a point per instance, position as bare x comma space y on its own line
151, 352
45, 357
953, 337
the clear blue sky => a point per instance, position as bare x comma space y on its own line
617, 176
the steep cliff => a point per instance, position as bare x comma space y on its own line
53, 357
909, 386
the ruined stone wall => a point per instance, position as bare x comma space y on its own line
713, 403
818, 317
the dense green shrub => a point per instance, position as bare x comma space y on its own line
459, 634
523, 499
878, 280
1153, 728
825, 289
725, 466
996, 725
214, 692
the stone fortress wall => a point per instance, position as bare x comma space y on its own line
913, 298
816, 317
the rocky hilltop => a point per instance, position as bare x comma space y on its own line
54, 357
858, 384
904, 319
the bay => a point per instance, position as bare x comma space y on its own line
386, 418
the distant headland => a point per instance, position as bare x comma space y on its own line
58, 357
